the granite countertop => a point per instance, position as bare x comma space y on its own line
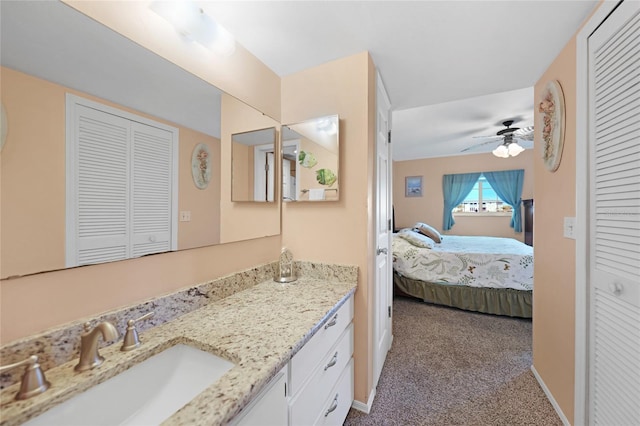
258, 329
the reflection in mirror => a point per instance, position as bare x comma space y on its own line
49, 51
310, 158
253, 165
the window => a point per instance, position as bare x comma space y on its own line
482, 199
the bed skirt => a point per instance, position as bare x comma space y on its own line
498, 301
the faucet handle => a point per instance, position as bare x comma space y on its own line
131, 339
33, 380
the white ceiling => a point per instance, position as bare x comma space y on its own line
429, 53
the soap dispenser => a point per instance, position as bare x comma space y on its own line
286, 270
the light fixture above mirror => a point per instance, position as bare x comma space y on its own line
193, 24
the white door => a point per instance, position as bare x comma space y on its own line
383, 274
286, 179
614, 235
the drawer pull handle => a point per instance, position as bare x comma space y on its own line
332, 322
332, 362
333, 407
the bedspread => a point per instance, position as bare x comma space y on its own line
471, 261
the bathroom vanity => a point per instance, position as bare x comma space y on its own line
297, 336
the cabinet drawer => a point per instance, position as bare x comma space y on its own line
306, 360
336, 407
306, 405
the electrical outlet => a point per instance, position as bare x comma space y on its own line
185, 216
570, 227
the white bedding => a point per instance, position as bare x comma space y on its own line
471, 261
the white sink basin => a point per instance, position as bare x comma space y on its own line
146, 394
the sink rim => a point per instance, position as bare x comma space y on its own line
78, 383
116, 362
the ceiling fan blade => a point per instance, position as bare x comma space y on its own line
484, 137
478, 145
526, 133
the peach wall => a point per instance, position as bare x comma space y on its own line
33, 175
338, 232
238, 219
241, 186
555, 260
31, 304
34, 158
429, 207
204, 204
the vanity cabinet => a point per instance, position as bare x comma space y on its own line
321, 373
269, 407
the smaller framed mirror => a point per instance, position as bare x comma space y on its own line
253, 165
310, 159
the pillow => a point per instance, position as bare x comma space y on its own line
429, 231
416, 238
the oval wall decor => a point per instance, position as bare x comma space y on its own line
201, 165
551, 121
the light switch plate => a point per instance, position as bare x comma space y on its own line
185, 216
570, 227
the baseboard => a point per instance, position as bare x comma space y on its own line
550, 397
361, 406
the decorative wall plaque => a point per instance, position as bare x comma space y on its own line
551, 121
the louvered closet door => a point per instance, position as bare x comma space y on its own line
614, 323
151, 189
101, 186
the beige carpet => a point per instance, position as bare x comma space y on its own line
451, 367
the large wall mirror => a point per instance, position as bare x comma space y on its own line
310, 159
51, 52
253, 165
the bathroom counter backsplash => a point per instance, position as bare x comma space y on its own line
259, 330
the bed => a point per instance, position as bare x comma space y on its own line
483, 274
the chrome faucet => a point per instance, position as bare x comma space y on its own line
89, 356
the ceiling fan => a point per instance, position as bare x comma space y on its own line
510, 137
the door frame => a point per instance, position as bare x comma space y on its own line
295, 143
581, 361
260, 177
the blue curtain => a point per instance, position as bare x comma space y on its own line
508, 186
455, 189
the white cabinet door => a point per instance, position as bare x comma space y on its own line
269, 408
614, 323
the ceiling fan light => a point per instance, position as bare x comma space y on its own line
501, 151
514, 149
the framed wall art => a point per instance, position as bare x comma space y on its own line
201, 165
551, 119
413, 186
